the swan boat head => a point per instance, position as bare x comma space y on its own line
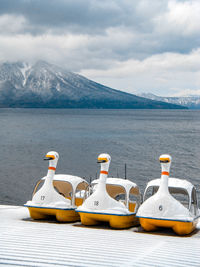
53, 158
104, 160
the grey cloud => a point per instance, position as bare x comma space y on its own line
94, 17
83, 16
99, 35
80, 15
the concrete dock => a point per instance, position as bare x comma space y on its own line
24, 242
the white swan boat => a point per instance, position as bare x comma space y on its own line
124, 191
57, 195
101, 205
162, 209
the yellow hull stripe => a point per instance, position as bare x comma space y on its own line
61, 215
179, 227
115, 221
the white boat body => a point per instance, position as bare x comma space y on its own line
100, 202
100, 206
52, 198
126, 184
165, 206
25, 242
162, 209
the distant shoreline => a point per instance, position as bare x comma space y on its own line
103, 108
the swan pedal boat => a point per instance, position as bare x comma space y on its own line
172, 204
113, 200
57, 195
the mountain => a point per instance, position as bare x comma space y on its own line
191, 102
48, 86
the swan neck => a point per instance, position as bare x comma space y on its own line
164, 179
103, 176
164, 183
50, 173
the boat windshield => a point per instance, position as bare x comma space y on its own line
194, 206
118, 192
179, 194
62, 187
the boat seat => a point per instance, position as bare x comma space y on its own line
78, 201
132, 206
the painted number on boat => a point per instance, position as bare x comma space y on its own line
42, 197
96, 203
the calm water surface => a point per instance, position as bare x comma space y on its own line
134, 137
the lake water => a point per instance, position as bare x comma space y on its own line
134, 137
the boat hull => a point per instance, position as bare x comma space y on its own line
115, 221
61, 215
179, 227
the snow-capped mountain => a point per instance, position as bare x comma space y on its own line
46, 85
192, 101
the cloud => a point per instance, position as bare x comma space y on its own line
48, 47
162, 62
186, 92
81, 16
159, 73
180, 18
12, 24
129, 45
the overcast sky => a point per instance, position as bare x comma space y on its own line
131, 45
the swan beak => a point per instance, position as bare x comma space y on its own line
47, 157
164, 160
102, 160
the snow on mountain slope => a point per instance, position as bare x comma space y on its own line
46, 85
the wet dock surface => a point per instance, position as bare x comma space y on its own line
24, 242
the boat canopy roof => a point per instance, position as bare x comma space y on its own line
73, 180
128, 185
176, 185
